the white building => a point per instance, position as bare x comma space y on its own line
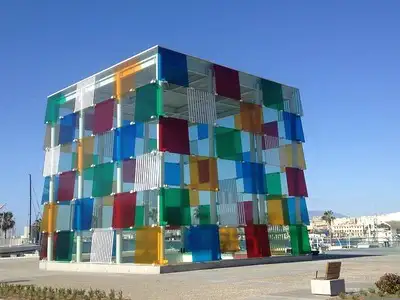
378, 228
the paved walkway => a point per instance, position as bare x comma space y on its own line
278, 281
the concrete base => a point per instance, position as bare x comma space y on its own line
327, 287
152, 269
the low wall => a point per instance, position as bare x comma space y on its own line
150, 269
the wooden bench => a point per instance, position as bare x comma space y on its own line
332, 271
330, 284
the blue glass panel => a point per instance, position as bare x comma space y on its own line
289, 125
203, 242
226, 169
202, 131
193, 133
63, 221
124, 142
246, 156
173, 67
291, 207
46, 189
304, 211
83, 213
253, 178
172, 174
293, 127
67, 129
299, 129
139, 129
239, 169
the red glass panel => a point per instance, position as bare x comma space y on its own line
174, 135
248, 212
103, 116
43, 246
227, 82
271, 129
296, 182
204, 170
124, 210
66, 186
257, 243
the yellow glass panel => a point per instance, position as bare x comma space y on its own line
228, 239
251, 117
275, 212
194, 198
238, 122
85, 152
125, 77
50, 211
108, 201
148, 246
286, 155
300, 157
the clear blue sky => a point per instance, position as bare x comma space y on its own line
343, 55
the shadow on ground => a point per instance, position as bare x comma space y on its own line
14, 281
341, 256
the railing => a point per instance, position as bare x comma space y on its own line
13, 242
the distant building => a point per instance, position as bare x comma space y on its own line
375, 228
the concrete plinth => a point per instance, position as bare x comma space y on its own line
150, 269
327, 287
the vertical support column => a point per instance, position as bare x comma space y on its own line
259, 159
159, 208
146, 194
51, 194
161, 170
118, 235
213, 195
254, 197
80, 187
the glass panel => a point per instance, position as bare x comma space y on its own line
124, 210
63, 245
103, 180
83, 213
149, 104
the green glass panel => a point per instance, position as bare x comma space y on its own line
175, 207
139, 216
152, 145
88, 174
285, 210
272, 94
74, 160
204, 214
53, 108
103, 180
148, 102
294, 239
273, 181
64, 243
299, 239
305, 243
228, 143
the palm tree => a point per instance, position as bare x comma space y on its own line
35, 231
329, 217
7, 222
153, 215
196, 214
